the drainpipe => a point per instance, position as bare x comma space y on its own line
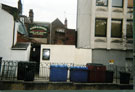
133, 44
77, 33
50, 33
13, 35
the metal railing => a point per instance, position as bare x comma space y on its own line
9, 70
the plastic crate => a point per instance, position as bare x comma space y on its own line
58, 73
79, 74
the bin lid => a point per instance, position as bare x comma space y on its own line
21, 63
59, 66
74, 67
124, 72
109, 71
79, 67
94, 64
30, 62
84, 68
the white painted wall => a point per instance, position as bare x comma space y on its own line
63, 54
6, 33
22, 55
67, 54
6, 39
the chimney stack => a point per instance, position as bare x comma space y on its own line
20, 7
31, 15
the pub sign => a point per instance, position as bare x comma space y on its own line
38, 31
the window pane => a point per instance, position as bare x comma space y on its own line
101, 25
101, 2
117, 3
130, 3
46, 54
116, 29
129, 29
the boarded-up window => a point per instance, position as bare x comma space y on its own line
117, 3
101, 25
102, 2
116, 29
130, 3
129, 29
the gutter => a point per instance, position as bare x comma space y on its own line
133, 44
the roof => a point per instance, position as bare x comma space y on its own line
57, 23
20, 46
12, 10
22, 29
26, 19
41, 23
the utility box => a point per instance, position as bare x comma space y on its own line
96, 73
78, 74
26, 71
58, 73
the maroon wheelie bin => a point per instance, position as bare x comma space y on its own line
96, 73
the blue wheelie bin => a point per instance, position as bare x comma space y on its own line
58, 73
79, 74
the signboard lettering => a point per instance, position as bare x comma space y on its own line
38, 31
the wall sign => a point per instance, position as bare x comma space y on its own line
38, 31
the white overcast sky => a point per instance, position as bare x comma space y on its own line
49, 10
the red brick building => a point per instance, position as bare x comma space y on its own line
70, 35
61, 35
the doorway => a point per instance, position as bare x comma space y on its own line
35, 55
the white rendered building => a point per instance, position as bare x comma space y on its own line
10, 49
105, 27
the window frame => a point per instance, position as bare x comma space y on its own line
121, 27
43, 54
129, 20
130, 7
105, 27
118, 6
102, 5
